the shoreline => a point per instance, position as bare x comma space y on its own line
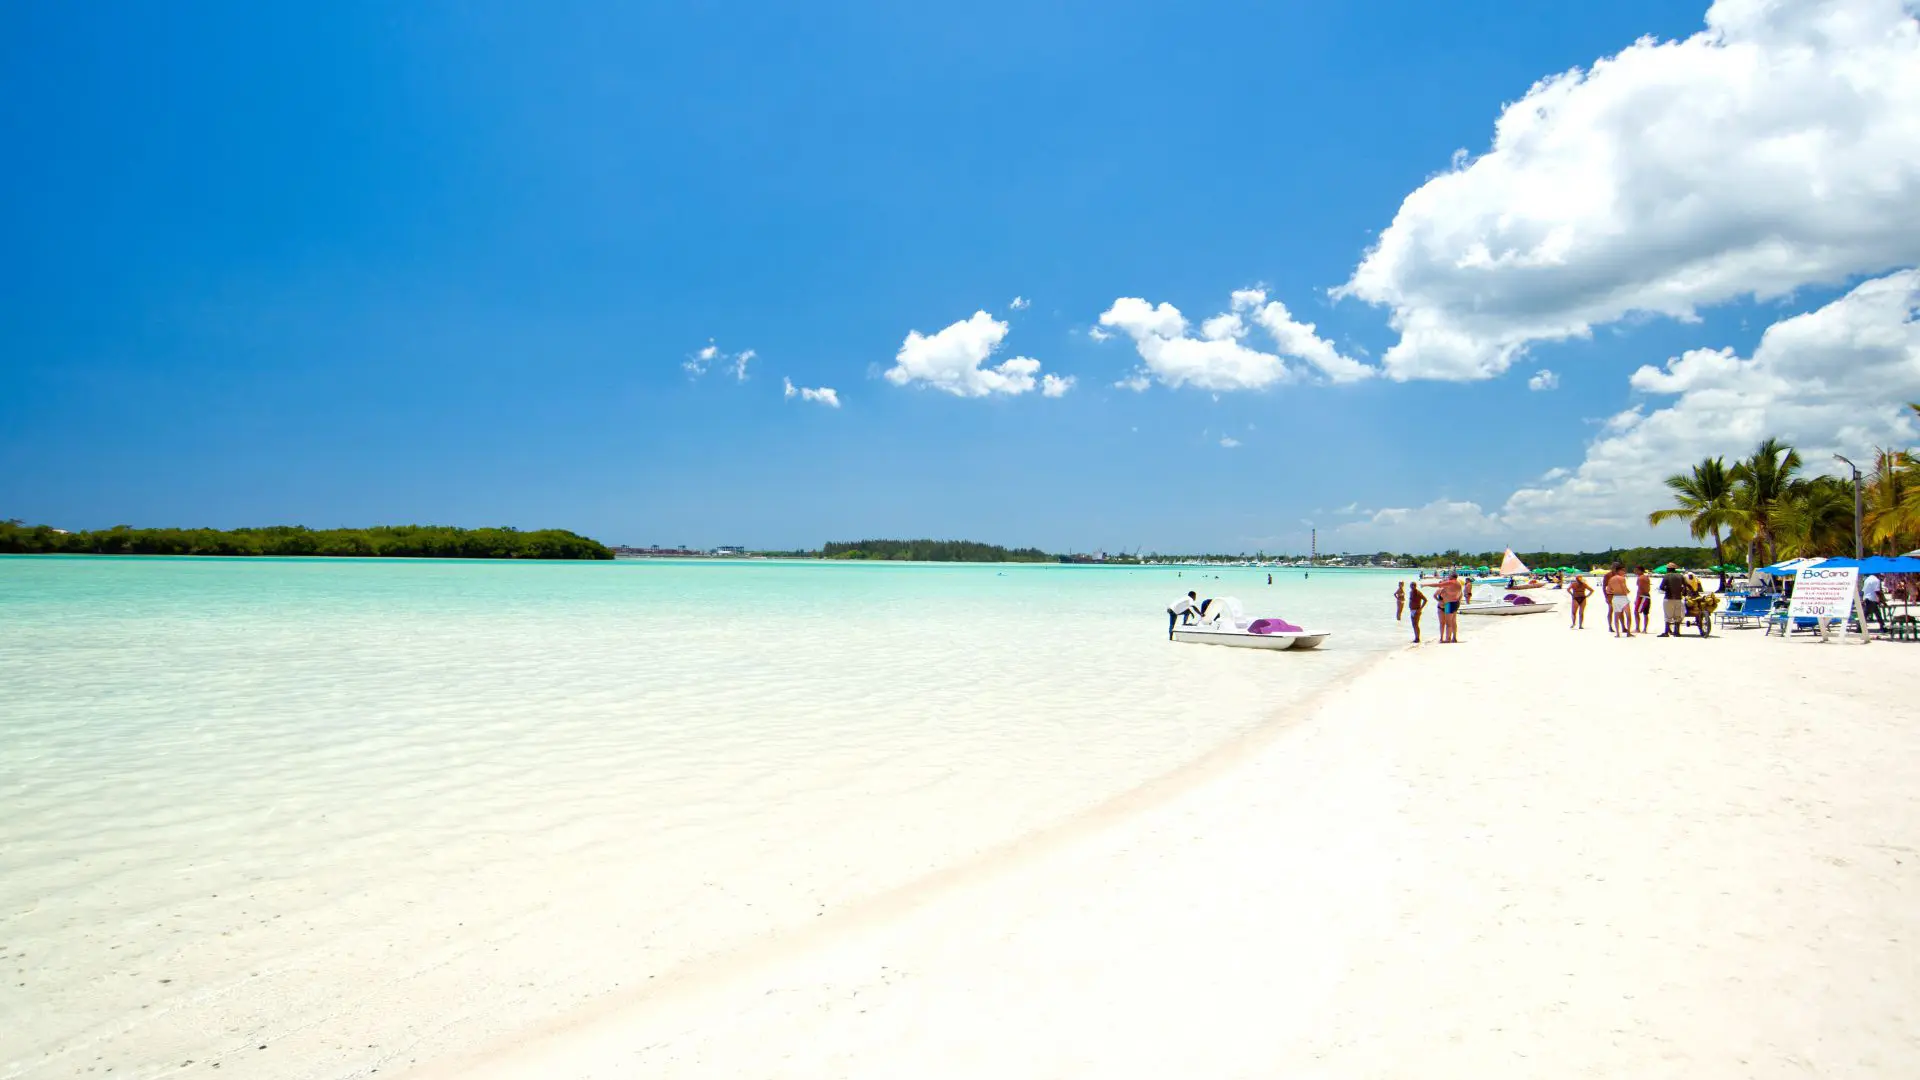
940, 886
365, 825
1659, 872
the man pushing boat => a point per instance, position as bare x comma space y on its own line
1182, 610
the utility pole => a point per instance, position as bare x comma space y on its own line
1858, 550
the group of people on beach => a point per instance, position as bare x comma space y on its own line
1630, 604
1449, 594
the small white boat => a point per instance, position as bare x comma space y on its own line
1506, 607
1241, 639
1226, 623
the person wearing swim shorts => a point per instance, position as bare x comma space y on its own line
1619, 613
1642, 601
1447, 594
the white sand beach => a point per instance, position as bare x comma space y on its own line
1538, 853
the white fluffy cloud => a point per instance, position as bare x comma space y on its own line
1298, 339
1543, 380
1228, 442
1055, 385
952, 360
824, 395
1777, 148
1833, 380
1218, 359
1020, 303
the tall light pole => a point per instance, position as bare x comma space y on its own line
1858, 552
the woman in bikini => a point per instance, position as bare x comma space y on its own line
1577, 593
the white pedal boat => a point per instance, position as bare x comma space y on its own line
1502, 607
1241, 639
1226, 623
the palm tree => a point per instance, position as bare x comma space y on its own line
1893, 498
1815, 518
1704, 499
1761, 483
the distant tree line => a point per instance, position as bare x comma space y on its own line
931, 551
1583, 560
384, 541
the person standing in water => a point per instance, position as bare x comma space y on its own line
1399, 601
1182, 610
1416, 606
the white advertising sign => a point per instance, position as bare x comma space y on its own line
1821, 592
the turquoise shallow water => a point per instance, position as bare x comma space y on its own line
366, 811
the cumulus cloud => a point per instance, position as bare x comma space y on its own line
1229, 442
1835, 379
1055, 385
1136, 382
952, 360
1020, 303
709, 356
824, 395
1543, 380
1298, 339
1098, 334
1832, 380
1777, 148
1218, 359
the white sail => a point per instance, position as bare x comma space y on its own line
1512, 564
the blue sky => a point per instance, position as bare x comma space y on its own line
364, 263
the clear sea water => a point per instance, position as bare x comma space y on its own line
314, 818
